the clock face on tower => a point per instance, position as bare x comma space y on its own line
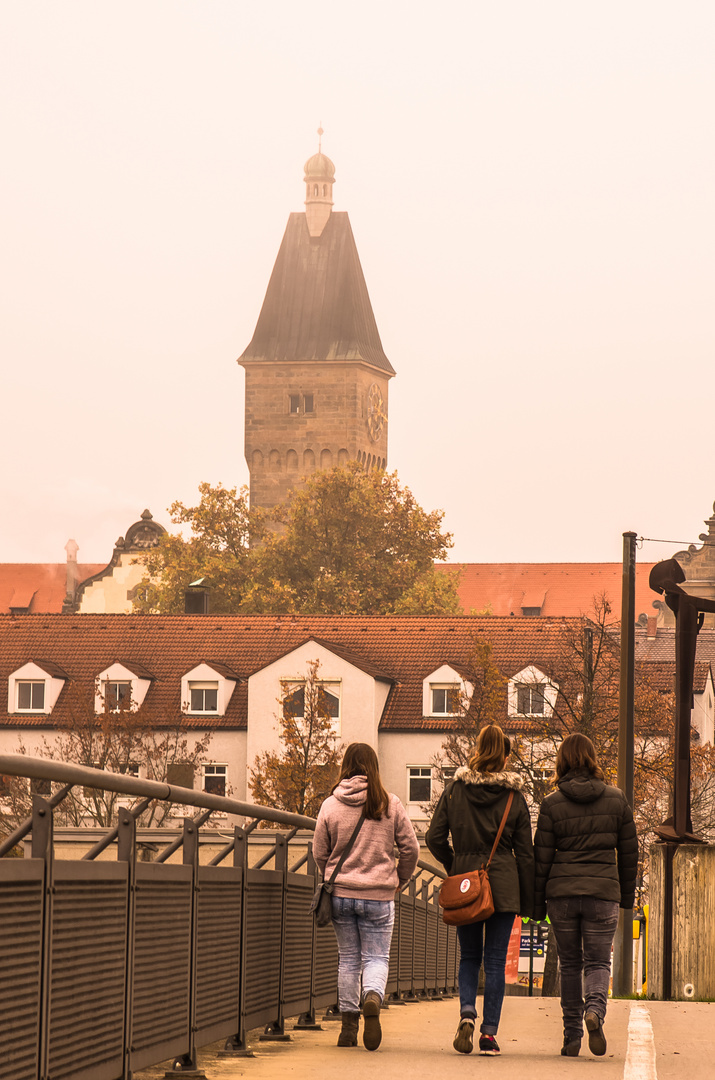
376, 415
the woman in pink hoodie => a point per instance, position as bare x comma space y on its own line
365, 889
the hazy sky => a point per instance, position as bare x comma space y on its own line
530, 185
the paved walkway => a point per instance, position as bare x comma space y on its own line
646, 1041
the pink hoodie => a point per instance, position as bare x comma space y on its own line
369, 871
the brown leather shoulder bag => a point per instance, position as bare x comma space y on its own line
467, 898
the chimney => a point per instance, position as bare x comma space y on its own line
196, 598
652, 627
72, 547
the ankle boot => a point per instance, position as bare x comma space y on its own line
372, 1032
349, 1031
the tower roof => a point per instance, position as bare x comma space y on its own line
317, 305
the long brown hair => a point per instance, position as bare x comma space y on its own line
577, 752
492, 750
361, 760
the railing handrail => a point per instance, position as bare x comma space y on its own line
46, 769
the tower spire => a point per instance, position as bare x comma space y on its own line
319, 179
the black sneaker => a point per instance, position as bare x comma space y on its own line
571, 1047
464, 1039
596, 1038
488, 1045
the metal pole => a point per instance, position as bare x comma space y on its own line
623, 945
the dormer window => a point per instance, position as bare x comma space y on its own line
122, 686
531, 693
35, 687
204, 697
117, 695
444, 692
445, 699
30, 696
328, 701
207, 689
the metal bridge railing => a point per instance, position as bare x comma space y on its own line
108, 967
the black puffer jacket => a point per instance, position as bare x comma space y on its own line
585, 843
471, 809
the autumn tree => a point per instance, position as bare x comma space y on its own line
302, 773
221, 528
119, 738
347, 542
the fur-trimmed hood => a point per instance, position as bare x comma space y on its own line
504, 779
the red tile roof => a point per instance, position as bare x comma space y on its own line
39, 586
558, 588
404, 649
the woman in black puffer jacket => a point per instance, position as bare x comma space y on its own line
586, 856
470, 811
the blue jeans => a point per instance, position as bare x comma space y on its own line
584, 929
364, 932
489, 939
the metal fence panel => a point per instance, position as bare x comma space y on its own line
162, 963
432, 931
406, 931
299, 944
218, 953
325, 983
87, 970
418, 970
21, 897
263, 945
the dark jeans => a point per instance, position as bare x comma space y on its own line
489, 939
584, 929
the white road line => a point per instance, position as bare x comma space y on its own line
640, 1055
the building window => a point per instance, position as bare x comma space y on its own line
530, 700
419, 784
445, 700
308, 403
215, 779
180, 774
40, 787
540, 782
531, 612
204, 697
298, 405
328, 703
117, 695
30, 696
294, 404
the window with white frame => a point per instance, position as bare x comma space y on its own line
215, 779
419, 783
531, 693
444, 699
328, 701
203, 697
30, 695
117, 694
529, 700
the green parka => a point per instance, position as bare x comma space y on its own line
470, 811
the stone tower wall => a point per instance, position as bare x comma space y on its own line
283, 447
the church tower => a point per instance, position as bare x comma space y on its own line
316, 372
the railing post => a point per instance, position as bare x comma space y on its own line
275, 1031
235, 1045
306, 1020
187, 1062
410, 994
126, 852
43, 848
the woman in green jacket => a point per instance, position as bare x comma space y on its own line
470, 812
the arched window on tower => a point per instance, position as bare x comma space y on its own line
315, 189
291, 460
326, 459
308, 460
275, 460
342, 457
325, 189
256, 460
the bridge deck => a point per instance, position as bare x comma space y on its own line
417, 1043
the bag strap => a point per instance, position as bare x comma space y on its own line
346, 849
509, 801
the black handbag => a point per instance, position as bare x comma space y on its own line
321, 904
